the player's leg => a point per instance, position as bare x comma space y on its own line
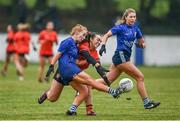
133, 71
5, 67
19, 67
89, 103
53, 93
50, 59
41, 68
84, 78
23, 60
83, 93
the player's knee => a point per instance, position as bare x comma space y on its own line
84, 92
140, 77
52, 98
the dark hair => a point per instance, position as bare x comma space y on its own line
90, 35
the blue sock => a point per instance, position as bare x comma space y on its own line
111, 91
146, 100
73, 108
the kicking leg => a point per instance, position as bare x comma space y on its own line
83, 93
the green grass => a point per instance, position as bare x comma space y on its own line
18, 99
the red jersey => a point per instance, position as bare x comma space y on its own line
93, 53
22, 42
10, 40
47, 39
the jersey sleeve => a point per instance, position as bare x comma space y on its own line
55, 36
28, 36
139, 33
41, 36
64, 46
116, 29
10, 36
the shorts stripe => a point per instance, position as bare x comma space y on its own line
121, 54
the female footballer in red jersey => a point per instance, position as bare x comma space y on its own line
10, 48
88, 50
22, 45
46, 39
89, 46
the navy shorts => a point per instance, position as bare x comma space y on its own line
120, 57
68, 71
57, 77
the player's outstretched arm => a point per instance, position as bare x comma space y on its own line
104, 40
51, 67
101, 70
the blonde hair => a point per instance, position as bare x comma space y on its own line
23, 26
126, 13
78, 28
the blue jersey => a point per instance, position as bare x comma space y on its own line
69, 51
67, 62
126, 35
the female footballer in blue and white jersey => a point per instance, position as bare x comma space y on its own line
127, 33
70, 72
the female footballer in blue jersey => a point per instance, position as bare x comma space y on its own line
71, 74
127, 33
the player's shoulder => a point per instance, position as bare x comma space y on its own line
68, 40
18, 33
136, 26
85, 43
43, 32
120, 26
54, 32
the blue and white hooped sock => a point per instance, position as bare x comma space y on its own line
73, 108
111, 91
146, 100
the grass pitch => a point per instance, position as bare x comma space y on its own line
18, 99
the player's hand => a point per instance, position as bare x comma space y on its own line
50, 70
142, 45
102, 50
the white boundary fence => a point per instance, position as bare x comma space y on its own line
159, 51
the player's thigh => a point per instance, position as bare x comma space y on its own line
42, 61
130, 69
56, 89
113, 73
83, 78
21, 59
49, 59
8, 56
